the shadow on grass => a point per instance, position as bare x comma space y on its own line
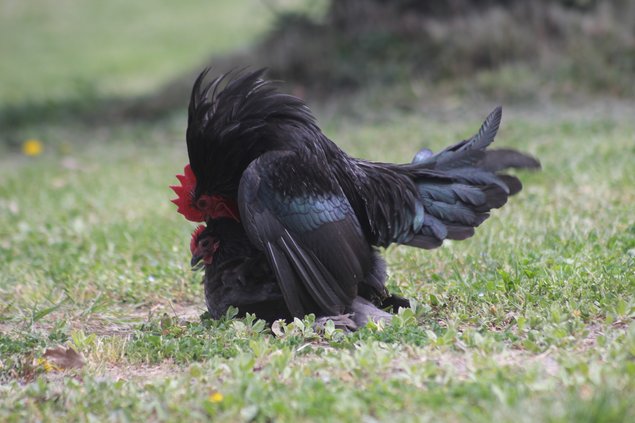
94, 111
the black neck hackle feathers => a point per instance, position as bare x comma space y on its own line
232, 120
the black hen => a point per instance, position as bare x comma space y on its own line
236, 273
317, 214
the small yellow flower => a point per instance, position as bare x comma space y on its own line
32, 147
47, 365
215, 397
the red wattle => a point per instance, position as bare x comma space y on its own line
195, 235
217, 207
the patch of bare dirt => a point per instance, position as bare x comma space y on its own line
463, 364
118, 321
124, 320
140, 372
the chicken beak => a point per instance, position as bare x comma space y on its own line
196, 258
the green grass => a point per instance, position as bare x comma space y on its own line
530, 320
74, 49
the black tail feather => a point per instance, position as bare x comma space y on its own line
464, 184
513, 184
505, 158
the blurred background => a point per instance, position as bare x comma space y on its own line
98, 62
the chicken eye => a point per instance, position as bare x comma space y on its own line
202, 203
205, 243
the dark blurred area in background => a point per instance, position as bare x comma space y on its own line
514, 50
587, 43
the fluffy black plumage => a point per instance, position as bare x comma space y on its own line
239, 274
314, 213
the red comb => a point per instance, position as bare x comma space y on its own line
199, 229
184, 193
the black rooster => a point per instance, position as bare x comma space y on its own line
258, 157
